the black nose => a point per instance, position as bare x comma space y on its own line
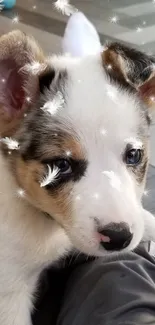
119, 234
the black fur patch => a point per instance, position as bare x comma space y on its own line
46, 79
78, 171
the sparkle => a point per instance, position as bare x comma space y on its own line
9, 152
3, 80
15, 20
25, 115
103, 132
138, 29
114, 179
145, 193
144, 22
10, 143
114, 19
20, 192
78, 198
65, 7
152, 98
96, 196
28, 99
34, 7
136, 143
53, 106
68, 153
112, 92
109, 67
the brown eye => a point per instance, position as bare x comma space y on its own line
133, 157
63, 165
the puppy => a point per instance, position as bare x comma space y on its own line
73, 160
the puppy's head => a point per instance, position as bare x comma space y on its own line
82, 125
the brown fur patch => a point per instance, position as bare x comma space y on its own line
56, 203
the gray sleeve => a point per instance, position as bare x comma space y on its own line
111, 292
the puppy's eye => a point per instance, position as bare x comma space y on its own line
63, 165
133, 157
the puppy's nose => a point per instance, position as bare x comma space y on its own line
119, 235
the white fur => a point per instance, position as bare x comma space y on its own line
29, 242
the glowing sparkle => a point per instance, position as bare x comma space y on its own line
109, 67
34, 7
50, 177
68, 153
152, 98
9, 152
111, 92
3, 80
144, 22
114, 19
113, 178
12, 144
25, 115
78, 198
20, 192
138, 29
145, 193
65, 7
103, 131
53, 106
28, 99
15, 20
96, 196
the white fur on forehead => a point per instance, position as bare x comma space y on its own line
93, 103
81, 37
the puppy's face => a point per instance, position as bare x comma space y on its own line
83, 152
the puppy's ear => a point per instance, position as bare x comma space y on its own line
131, 67
81, 37
17, 86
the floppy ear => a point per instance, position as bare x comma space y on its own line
16, 85
131, 67
81, 37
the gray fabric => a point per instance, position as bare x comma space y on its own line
111, 292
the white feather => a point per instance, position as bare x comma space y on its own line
10, 143
65, 7
50, 177
53, 106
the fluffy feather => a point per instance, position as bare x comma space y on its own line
65, 7
10, 143
50, 177
53, 106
